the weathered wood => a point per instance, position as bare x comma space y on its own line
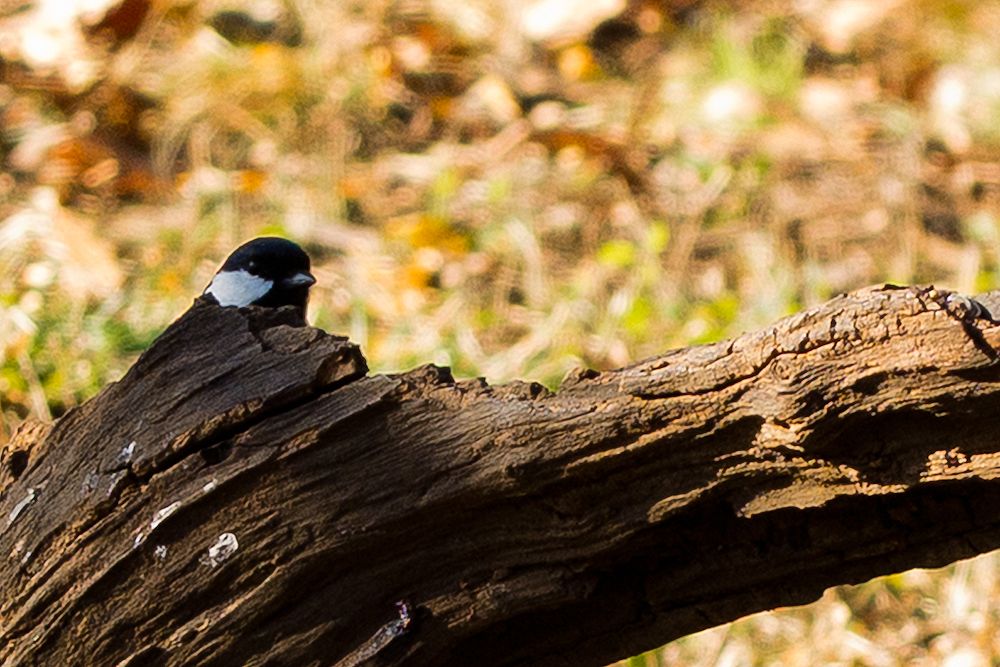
246, 494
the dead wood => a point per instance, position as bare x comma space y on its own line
247, 494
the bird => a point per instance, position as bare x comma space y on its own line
267, 279
267, 271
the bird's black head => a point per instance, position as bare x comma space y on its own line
267, 271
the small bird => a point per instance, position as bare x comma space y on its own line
267, 271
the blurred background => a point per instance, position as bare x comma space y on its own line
512, 188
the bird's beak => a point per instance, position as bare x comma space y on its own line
299, 279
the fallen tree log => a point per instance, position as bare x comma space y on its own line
247, 494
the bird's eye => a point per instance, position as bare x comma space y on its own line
251, 264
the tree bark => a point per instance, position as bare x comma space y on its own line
247, 494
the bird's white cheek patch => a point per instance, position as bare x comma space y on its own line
238, 288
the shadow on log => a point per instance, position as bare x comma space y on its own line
247, 494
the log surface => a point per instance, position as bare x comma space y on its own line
248, 494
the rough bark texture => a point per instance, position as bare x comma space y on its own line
246, 494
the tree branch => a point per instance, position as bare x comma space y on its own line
247, 494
